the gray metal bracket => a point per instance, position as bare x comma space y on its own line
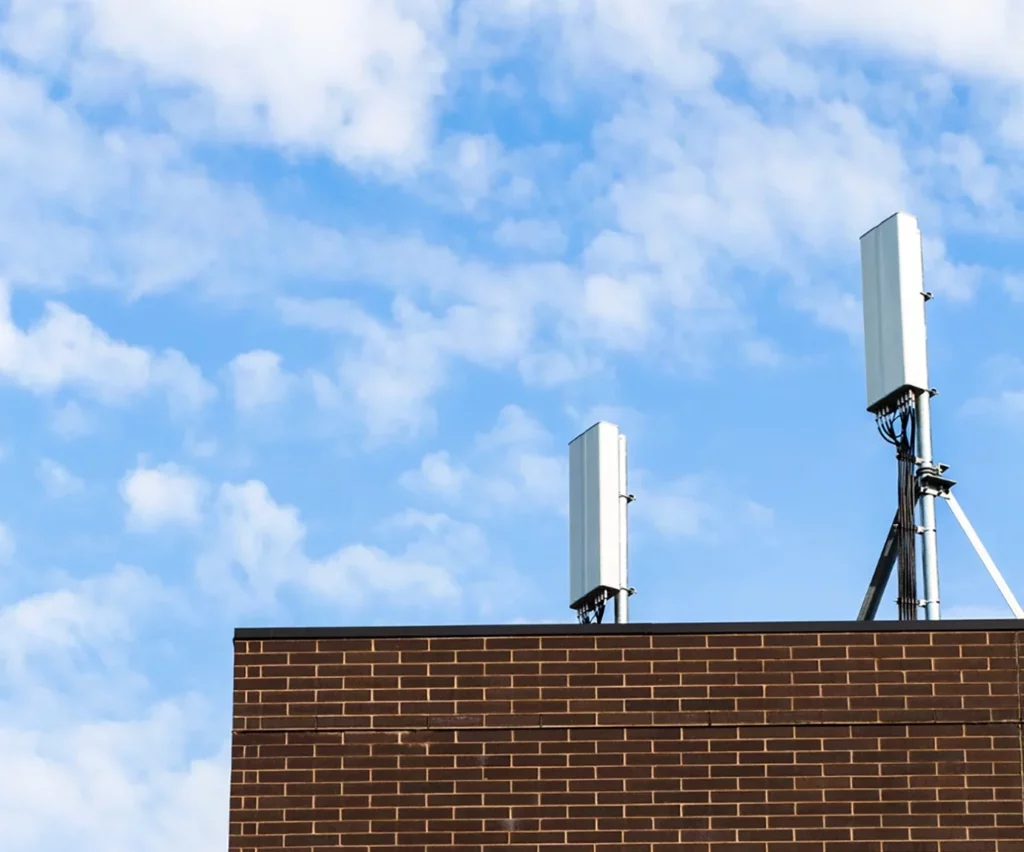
931, 480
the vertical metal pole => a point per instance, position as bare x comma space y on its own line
929, 545
622, 596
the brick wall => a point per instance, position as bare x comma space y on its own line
877, 741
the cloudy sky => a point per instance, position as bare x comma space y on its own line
302, 300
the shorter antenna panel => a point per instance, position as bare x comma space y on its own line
596, 520
895, 344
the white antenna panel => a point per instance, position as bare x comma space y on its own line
892, 276
597, 533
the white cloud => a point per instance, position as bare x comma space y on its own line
436, 474
1003, 370
510, 467
74, 776
956, 281
980, 40
258, 380
1006, 405
688, 201
617, 311
629, 420
830, 307
162, 496
79, 616
690, 196
58, 480
660, 37
1014, 286
65, 350
678, 509
112, 786
361, 571
693, 207
531, 317
7, 546
703, 207
676, 42
514, 427
1001, 392
472, 163
70, 421
970, 173
200, 448
130, 211
257, 549
699, 229
534, 234
275, 77
695, 507
553, 368
390, 372
256, 545
758, 513
526, 473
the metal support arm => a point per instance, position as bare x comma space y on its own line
983, 554
883, 570
938, 485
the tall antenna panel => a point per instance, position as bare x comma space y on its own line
900, 398
892, 276
597, 518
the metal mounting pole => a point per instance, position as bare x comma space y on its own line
983, 554
622, 606
929, 545
622, 595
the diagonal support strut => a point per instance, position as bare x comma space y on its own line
983, 554
883, 570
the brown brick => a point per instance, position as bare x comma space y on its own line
888, 741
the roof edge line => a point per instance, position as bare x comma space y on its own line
634, 628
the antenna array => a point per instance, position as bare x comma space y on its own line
598, 540
899, 395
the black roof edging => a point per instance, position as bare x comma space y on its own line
635, 628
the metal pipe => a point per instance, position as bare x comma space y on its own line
622, 606
622, 596
982, 552
929, 544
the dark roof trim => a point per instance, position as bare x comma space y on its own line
626, 629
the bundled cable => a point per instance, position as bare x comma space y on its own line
898, 426
592, 610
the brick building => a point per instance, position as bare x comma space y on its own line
899, 737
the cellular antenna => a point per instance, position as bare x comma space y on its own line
899, 395
598, 540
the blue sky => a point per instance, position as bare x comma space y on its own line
303, 303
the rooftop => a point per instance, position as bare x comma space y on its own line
382, 632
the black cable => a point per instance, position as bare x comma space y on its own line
592, 612
898, 426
